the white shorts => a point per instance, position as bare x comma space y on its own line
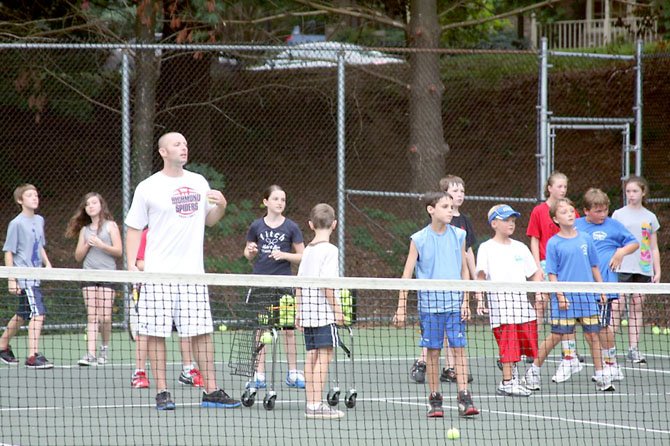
161, 305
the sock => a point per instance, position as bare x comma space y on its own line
138, 370
187, 368
535, 368
612, 355
569, 349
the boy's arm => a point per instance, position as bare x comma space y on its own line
481, 305
599, 278
563, 302
619, 254
12, 286
470, 257
465, 275
335, 306
410, 264
45, 258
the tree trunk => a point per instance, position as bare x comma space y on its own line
147, 72
427, 148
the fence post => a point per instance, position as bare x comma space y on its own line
340, 160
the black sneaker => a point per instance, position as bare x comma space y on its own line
219, 399
164, 401
466, 408
418, 372
7, 356
435, 402
448, 375
38, 361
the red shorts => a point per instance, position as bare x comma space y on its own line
515, 340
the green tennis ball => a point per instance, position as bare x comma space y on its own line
266, 338
624, 322
223, 327
345, 293
656, 330
85, 337
666, 331
453, 434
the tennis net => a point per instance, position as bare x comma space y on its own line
379, 382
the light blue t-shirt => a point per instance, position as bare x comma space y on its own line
439, 258
607, 238
25, 239
571, 260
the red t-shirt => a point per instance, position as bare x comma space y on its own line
542, 227
143, 245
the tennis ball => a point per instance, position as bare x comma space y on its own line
266, 338
624, 322
666, 331
453, 434
656, 330
223, 327
345, 293
85, 337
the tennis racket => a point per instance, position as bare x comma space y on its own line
133, 314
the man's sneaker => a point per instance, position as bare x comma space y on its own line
139, 380
512, 388
164, 401
103, 355
635, 356
323, 411
191, 378
7, 356
435, 402
295, 379
566, 369
532, 379
418, 372
449, 375
466, 408
38, 361
218, 399
87, 360
604, 383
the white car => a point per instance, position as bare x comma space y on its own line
324, 55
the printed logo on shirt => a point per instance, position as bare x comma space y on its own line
185, 201
599, 236
645, 248
585, 249
271, 240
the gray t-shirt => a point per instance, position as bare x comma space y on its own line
96, 258
25, 239
642, 223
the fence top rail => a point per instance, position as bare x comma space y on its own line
577, 119
376, 193
591, 55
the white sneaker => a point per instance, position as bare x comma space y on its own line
615, 372
512, 388
635, 356
103, 355
604, 383
532, 379
566, 369
323, 411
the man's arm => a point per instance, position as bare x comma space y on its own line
216, 213
133, 237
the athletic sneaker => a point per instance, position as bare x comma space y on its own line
512, 388
449, 375
218, 399
435, 402
295, 379
604, 383
38, 361
139, 380
635, 356
256, 383
103, 355
466, 408
566, 369
191, 378
323, 411
418, 372
164, 401
532, 379
87, 360
615, 372
7, 356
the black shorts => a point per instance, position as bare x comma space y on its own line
321, 337
634, 278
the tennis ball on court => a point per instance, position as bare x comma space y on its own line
453, 434
656, 330
266, 338
223, 327
666, 331
624, 322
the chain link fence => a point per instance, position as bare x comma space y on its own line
255, 116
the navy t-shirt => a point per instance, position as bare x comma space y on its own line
270, 239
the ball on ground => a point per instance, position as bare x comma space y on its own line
453, 434
656, 330
266, 338
666, 331
223, 327
624, 322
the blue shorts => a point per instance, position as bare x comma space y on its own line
590, 324
30, 303
321, 337
435, 325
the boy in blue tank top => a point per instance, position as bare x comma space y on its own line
438, 252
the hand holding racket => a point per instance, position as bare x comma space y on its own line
133, 314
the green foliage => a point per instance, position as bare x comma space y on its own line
224, 265
236, 221
214, 177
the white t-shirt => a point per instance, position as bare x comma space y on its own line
510, 262
640, 222
174, 209
319, 260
